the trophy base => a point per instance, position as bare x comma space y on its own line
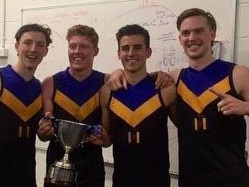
48, 182
60, 176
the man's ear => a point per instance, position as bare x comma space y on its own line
118, 52
179, 37
16, 47
213, 35
96, 51
149, 52
46, 52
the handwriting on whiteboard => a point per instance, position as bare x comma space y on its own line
159, 20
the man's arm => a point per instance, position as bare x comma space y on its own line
46, 130
104, 138
230, 105
105, 119
117, 80
162, 79
169, 98
240, 78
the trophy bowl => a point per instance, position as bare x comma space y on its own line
62, 172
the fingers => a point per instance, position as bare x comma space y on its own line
45, 120
45, 125
219, 94
116, 84
124, 82
228, 104
163, 80
48, 116
158, 84
117, 80
96, 139
161, 84
101, 139
221, 105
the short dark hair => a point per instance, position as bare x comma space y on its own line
36, 28
83, 30
133, 30
196, 12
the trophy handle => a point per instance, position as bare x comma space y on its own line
83, 142
89, 129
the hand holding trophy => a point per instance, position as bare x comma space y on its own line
71, 134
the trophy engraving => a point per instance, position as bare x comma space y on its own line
71, 134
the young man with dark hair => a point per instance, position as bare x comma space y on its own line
21, 107
135, 119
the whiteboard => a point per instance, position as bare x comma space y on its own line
158, 16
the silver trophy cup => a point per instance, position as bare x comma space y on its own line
62, 173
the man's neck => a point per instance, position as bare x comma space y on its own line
134, 78
199, 64
25, 73
80, 75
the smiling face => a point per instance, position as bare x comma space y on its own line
81, 52
196, 37
133, 53
31, 48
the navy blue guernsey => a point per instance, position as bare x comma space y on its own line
140, 144
79, 101
20, 110
211, 145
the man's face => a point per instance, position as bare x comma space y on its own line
31, 49
133, 52
81, 52
196, 37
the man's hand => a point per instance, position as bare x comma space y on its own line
230, 105
117, 80
45, 129
100, 139
162, 79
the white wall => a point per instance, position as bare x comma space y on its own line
13, 22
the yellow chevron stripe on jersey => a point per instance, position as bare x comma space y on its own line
79, 112
133, 118
16, 105
199, 103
